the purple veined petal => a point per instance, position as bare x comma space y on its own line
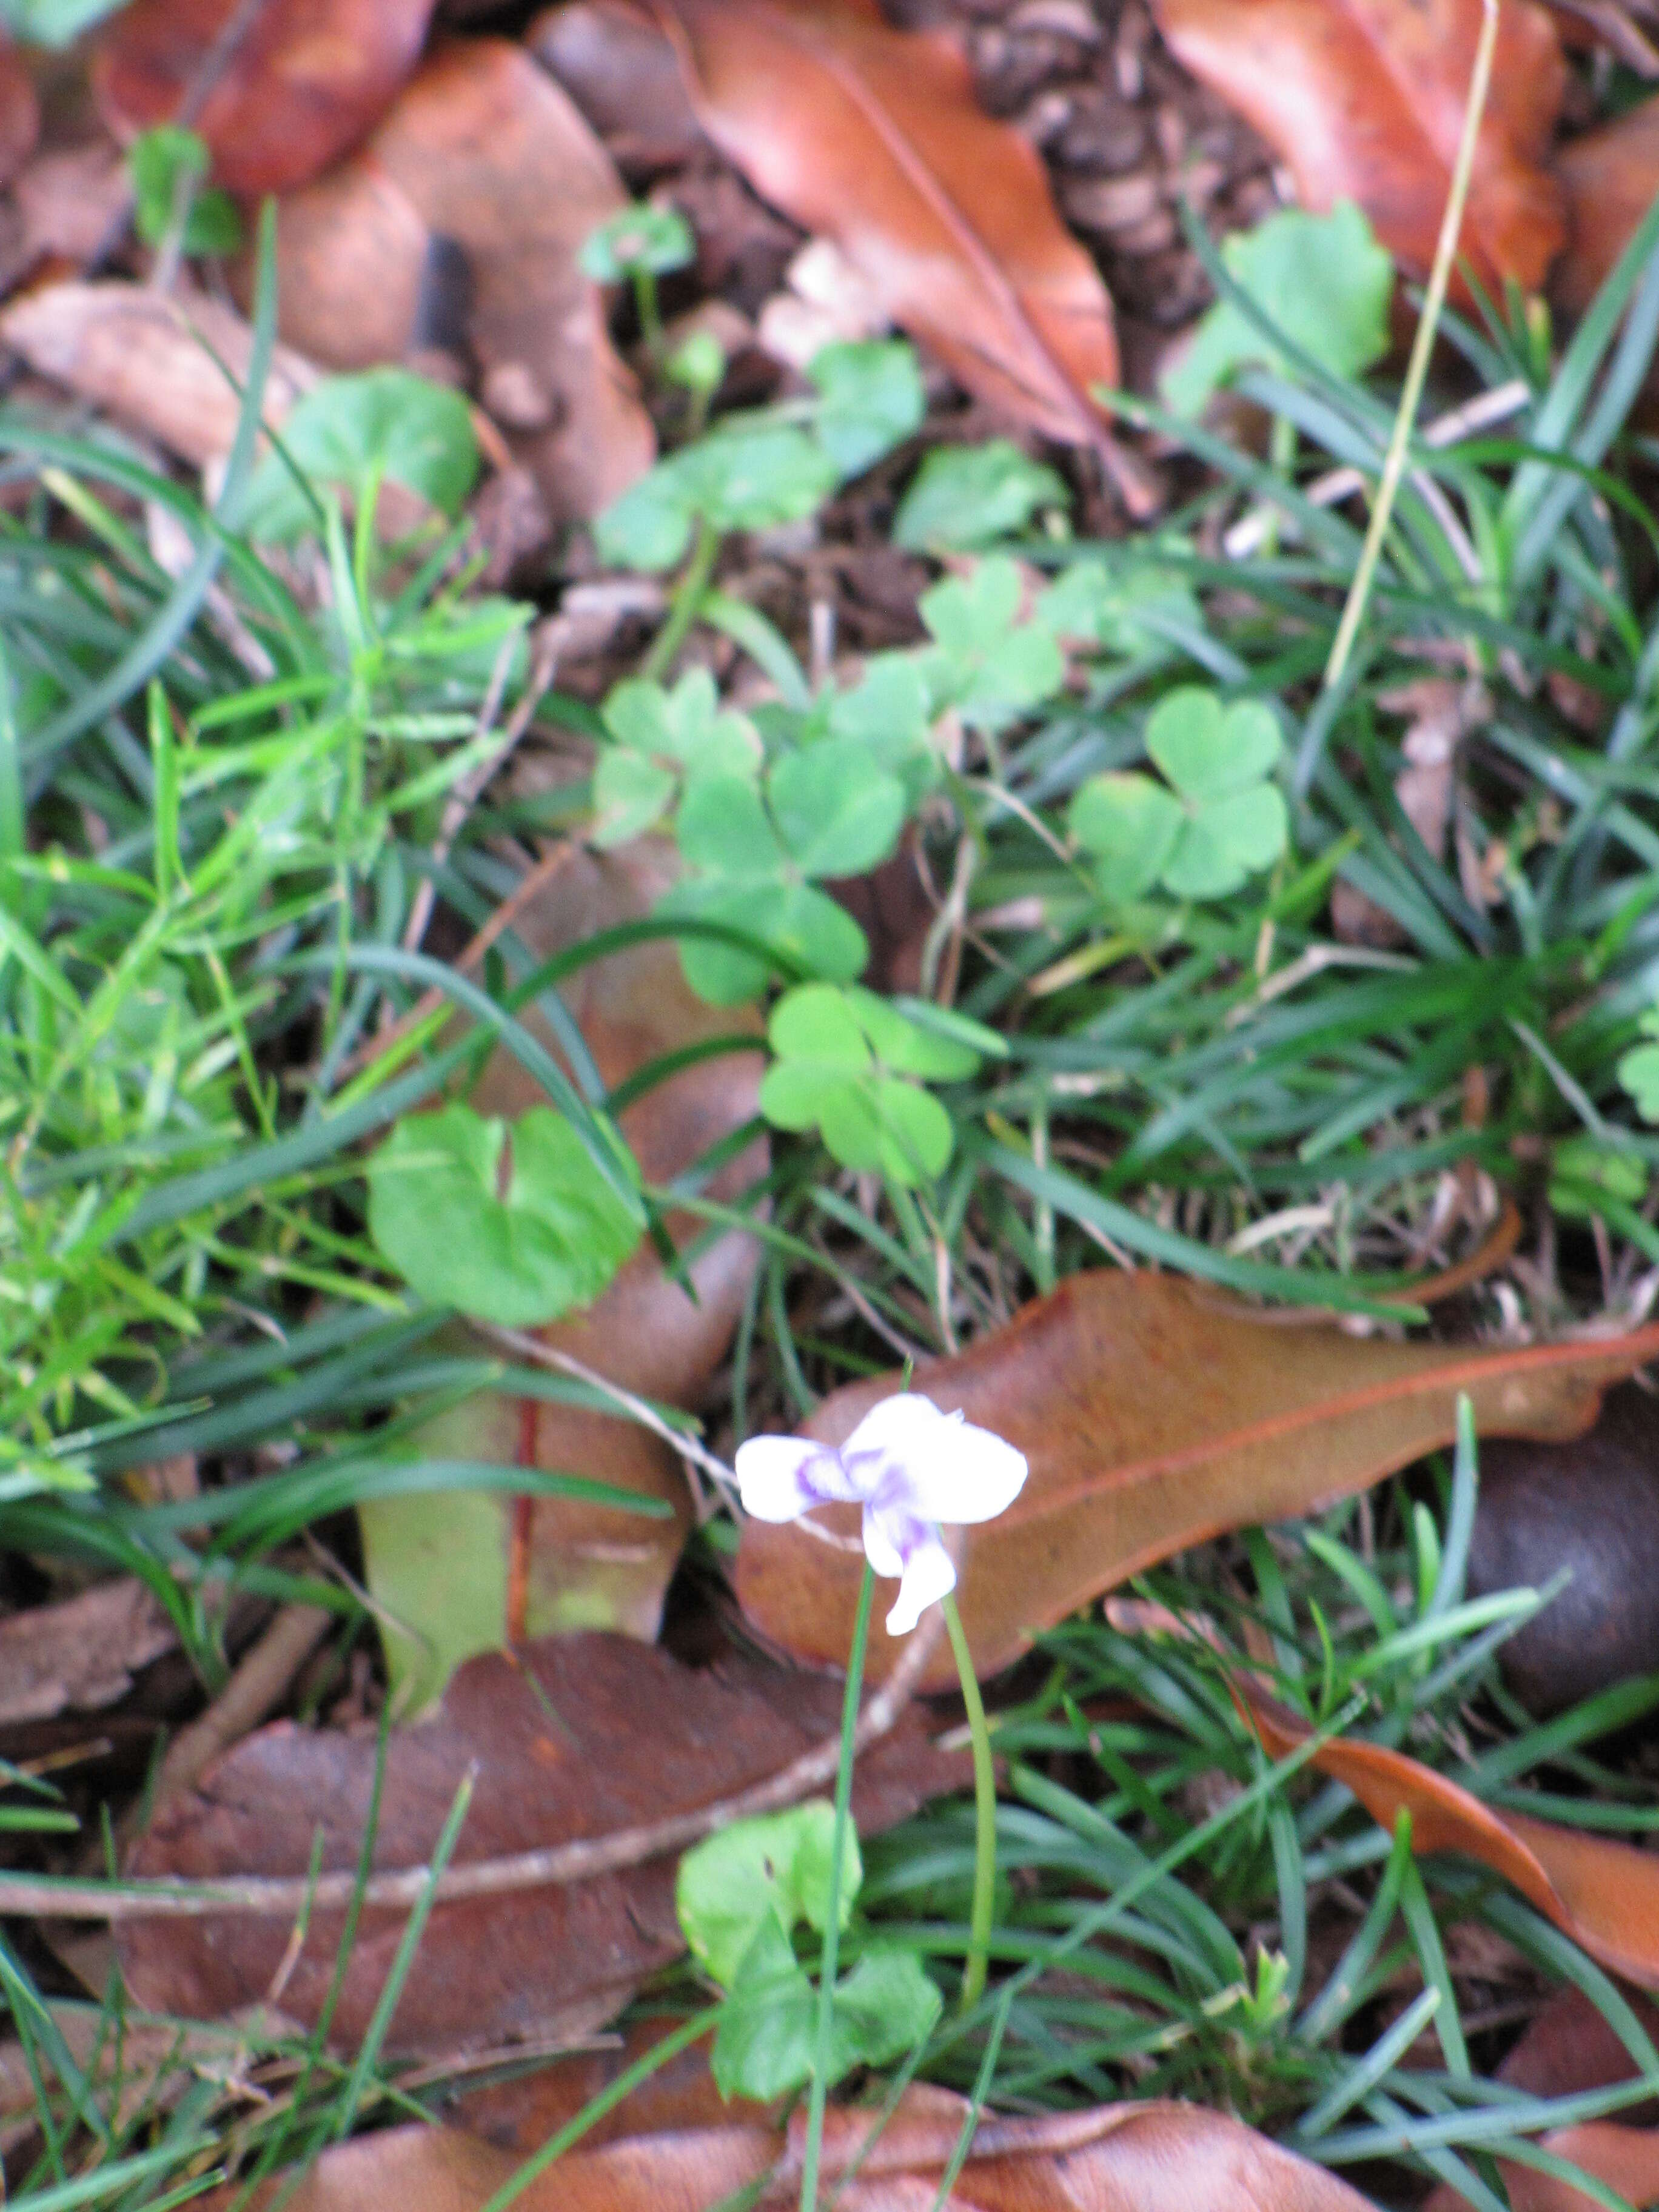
928, 1576
781, 1477
892, 1437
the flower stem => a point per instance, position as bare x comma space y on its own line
683, 607
985, 1812
849, 1714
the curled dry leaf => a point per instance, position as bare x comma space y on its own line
575, 1736
872, 138
483, 182
622, 75
20, 112
81, 1653
149, 359
1364, 99
1154, 2157
1611, 178
1568, 2047
441, 1560
1155, 1413
1604, 1894
302, 83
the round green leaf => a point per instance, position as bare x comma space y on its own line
838, 812
916, 1136
816, 1021
1130, 824
1219, 849
870, 399
654, 238
630, 793
775, 1866
964, 497
521, 1256
349, 430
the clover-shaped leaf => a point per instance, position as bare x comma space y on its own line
1322, 279
653, 239
661, 740
164, 164
1586, 1174
847, 1064
870, 399
965, 497
890, 709
1221, 823
1129, 607
745, 879
986, 662
1639, 1070
511, 1238
838, 810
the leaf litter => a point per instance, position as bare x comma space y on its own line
433, 216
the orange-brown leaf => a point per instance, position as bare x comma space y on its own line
20, 112
1364, 99
306, 80
1155, 1413
872, 138
1611, 178
1604, 1894
1154, 2157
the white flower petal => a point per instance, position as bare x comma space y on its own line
928, 1574
898, 1430
965, 1474
779, 1478
888, 1541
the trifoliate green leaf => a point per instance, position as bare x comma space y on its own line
870, 399
963, 498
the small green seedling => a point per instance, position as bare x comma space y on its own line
992, 663
1322, 279
351, 433
1216, 823
167, 167
870, 399
639, 243
964, 498
852, 1065
739, 1896
514, 1238
1587, 1176
663, 740
756, 852
1639, 1069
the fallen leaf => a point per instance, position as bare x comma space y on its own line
81, 1653
1611, 177
67, 204
872, 138
484, 182
1152, 2157
1604, 1894
622, 73
149, 360
20, 112
574, 1736
439, 1560
304, 82
1156, 1413
1569, 2047
1364, 99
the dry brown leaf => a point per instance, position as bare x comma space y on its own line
1154, 2157
622, 73
1364, 99
872, 138
305, 81
148, 359
591, 1566
1155, 1413
575, 1736
1604, 1894
20, 112
1611, 178
81, 1653
485, 153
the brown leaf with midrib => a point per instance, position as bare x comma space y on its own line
1364, 99
1154, 1413
573, 1737
873, 137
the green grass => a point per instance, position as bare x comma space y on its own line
218, 806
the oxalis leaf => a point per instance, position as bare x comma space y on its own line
352, 430
845, 1065
515, 1248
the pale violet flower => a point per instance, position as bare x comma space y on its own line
910, 1468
